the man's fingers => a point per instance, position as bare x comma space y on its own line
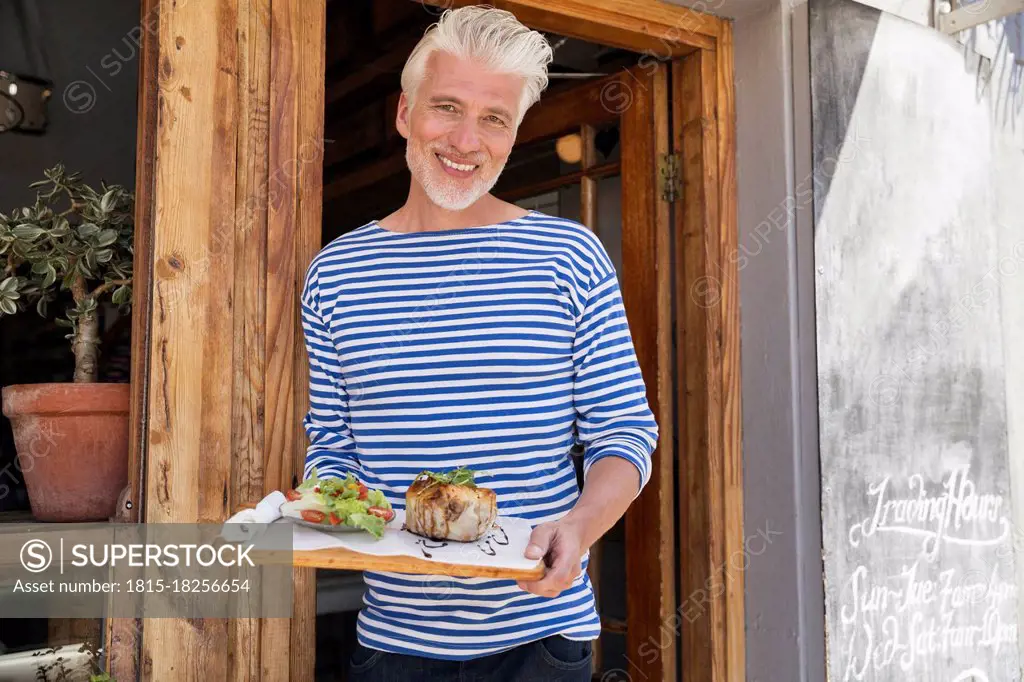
540, 541
557, 579
562, 558
549, 586
563, 576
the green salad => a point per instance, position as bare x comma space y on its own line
335, 501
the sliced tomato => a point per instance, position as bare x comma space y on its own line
334, 519
363, 491
293, 495
386, 514
313, 516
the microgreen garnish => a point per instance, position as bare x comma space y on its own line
461, 476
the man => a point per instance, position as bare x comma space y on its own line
462, 330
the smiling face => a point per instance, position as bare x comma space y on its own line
460, 129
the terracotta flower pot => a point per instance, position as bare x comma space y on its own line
72, 442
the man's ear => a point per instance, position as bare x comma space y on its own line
402, 116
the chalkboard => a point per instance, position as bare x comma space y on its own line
913, 254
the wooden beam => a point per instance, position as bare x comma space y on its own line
710, 476
596, 102
588, 183
189, 434
235, 153
389, 64
249, 290
549, 184
307, 198
647, 295
731, 503
654, 28
249, 240
123, 636
358, 132
364, 176
699, 365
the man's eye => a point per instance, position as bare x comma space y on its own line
446, 107
495, 120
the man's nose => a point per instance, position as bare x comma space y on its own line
465, 138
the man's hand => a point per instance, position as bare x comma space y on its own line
560, 543
610, 487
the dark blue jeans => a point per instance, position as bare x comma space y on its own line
552, 659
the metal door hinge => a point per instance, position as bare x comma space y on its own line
670, 177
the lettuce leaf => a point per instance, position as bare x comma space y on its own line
345, 508
308, 484
376, 498
374, 525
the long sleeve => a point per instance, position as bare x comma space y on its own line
613, 417
332, 449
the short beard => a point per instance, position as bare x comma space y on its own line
438, 189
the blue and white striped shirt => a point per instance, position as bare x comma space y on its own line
493, 347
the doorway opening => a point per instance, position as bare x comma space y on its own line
567, 162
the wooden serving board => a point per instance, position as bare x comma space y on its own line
499, 554
345, 559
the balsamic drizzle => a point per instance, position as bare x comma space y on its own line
485, 544
422, 542
503, 534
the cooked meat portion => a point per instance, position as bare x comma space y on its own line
445, 511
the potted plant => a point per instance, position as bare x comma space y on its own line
71, 438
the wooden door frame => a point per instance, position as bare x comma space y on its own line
233, 90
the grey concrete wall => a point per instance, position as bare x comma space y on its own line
784, 593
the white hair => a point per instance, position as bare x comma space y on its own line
492, 37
